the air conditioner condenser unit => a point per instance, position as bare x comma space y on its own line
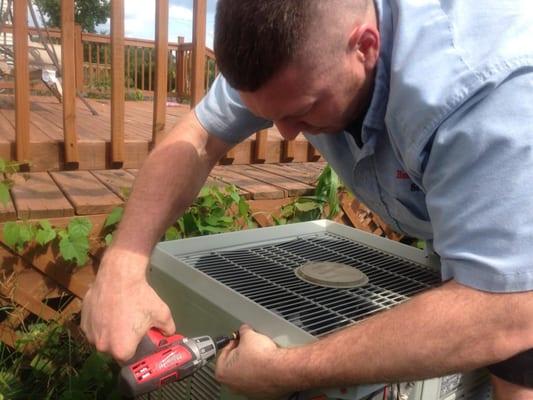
267, 278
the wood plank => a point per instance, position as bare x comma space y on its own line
68, 80
258, 189
8, 335
26, 286
211, 181
86, 193
118, 181
36, 134
318, 165
117, 81
306, 171
39, 197
29, 301
76, 280
161, 70
198, 51
291, 187
74, 307
288, 169
22, 80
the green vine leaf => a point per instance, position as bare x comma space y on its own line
108, 239
74, 248
306, 206
2, 165
11, 234
18, 235
114, 217
172, 233
45, 233
74, 243
244, 207
80, 227
4, 193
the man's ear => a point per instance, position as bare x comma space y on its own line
365, 39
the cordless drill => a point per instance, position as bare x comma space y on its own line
160, 360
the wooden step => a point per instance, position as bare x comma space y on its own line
86, 193
36, 195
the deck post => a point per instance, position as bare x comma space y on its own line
198, 51
79, 58
312, 153
68, 76
260, 152
180, 70
161, 70
22, 81
288, 150
117, 81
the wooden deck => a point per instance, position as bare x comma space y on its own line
46, 135
37, 195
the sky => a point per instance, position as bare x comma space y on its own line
140, 20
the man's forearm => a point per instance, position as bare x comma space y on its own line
449, 329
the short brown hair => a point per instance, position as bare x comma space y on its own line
254, 39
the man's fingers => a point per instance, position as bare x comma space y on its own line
230, 346
244, 329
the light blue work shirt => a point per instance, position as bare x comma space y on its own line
447, 152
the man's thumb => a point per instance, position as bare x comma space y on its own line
165, 323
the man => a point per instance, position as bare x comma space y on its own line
440, 92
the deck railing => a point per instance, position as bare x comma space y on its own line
158, 67
93, 62
116, 52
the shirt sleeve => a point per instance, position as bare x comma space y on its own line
222, 114
479, 189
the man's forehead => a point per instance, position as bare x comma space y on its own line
288, 93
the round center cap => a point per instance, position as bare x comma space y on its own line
331, 274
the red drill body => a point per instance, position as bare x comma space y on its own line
160, 360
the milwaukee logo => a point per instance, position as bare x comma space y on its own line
170, 360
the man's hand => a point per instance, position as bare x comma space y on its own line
248, 366
120, 307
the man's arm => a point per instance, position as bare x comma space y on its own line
120, 306
452, 328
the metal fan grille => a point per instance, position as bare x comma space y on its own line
264, 274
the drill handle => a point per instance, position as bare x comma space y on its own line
153, 341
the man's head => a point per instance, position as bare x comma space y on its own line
305, 64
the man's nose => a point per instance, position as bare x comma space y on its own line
288, 130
